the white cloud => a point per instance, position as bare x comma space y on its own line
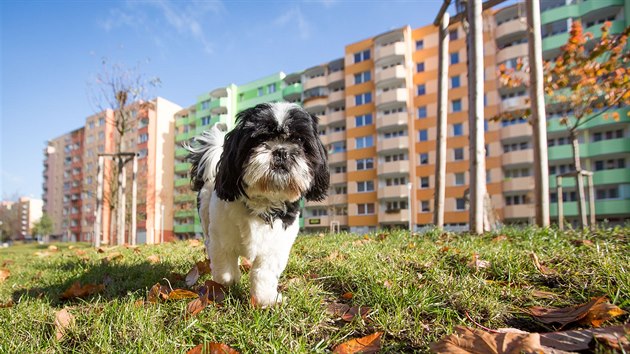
295, 17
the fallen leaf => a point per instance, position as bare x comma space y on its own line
347, 296
63, 320
216, 292
381, 237
204, 267
337, 309
42, 254
53, 248
246, 265
80, 252
580, 340
179, 294
500, 238
367, 344
541, 268
467, 340
362, 311
335, 255
192, 276
4, 274
613, 341
139, 303
194, 243
130, 247
76, 290
411, 245
113, 256
582, 242
212, 348
594, 312
7, 304
198, 304
477, 263
544, 294
387, 284
153, 259
71, 247
7, 262
158, 292
100, 250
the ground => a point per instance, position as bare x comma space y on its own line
417, 288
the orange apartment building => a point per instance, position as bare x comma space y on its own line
379, 124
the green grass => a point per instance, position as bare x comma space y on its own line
418, 288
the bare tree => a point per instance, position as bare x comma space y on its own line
124, 91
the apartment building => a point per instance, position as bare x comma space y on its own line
53, 184
218, 106
20, 216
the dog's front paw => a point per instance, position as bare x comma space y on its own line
267, 301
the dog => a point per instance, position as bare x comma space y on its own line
250, 182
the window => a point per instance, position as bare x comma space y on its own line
101, 135
422, 89
143, 138
454, 58
396, 181
424, 158
271, 88
365, 119
365, 164
341, 190
608, 135
205, 120
363, 98
458, 154
362, 77
456, 105
424, 182
396, 157
362, 56
395, 134
101, 121
395, 206
339, 146
424, 206
419, 44
455, 82
485, 125
340, 169
364, 141
424, 135
205, 105
458, 129
422, 112
452, 35
460, 204
460, 179
365, 186
610, 164
607, 193
91, 125
365, 209
420, 67
260, 91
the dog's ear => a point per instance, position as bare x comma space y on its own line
319, 161
229, 180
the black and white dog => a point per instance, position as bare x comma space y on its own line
250, 182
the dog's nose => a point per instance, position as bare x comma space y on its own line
280, 155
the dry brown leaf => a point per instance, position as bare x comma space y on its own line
192, 276
198, 304
336, 309
594, 312
500, 238
212, 348
80, 253
411, 245
100, 250
179, 294
544, 270
544, 294
139, 303
113, 256
347, 295
63, 320
53, 248
361, 311
204, 267
7, 262
153, 259
42, 254
246, 265
158, 292
4, 274
367, 344
76, 290
582, 242
71, 247
215, 291
194, 243
7, 304
613, 341
477, 263
580, 340
467, 340
381, 237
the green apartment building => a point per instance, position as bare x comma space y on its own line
219, 106
604, 143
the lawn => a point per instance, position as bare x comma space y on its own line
416, 290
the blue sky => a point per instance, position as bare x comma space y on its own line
52, 50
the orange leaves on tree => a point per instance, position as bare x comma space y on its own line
78, 291
367, 344
212, 348
594, 312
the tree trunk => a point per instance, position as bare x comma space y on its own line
581, 200
440, 163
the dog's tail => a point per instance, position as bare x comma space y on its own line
204, 154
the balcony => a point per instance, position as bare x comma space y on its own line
401, 216
395, 49
292, 92
524, 211
393, 168
185, 213
394, 73
394, 119
393, 192
392, 96
518, 184
317, 222
335, 96
184, 228
337, 157
335, 76
338, 178
312, 204
400, 143
323, 119
511, 27
319, 81
188, 197
337, 136
220, 107
315, 102
515, 51
182, 167
520, 157
182, 182
514, 103
339, 116
516, 130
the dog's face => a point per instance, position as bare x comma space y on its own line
273, 152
